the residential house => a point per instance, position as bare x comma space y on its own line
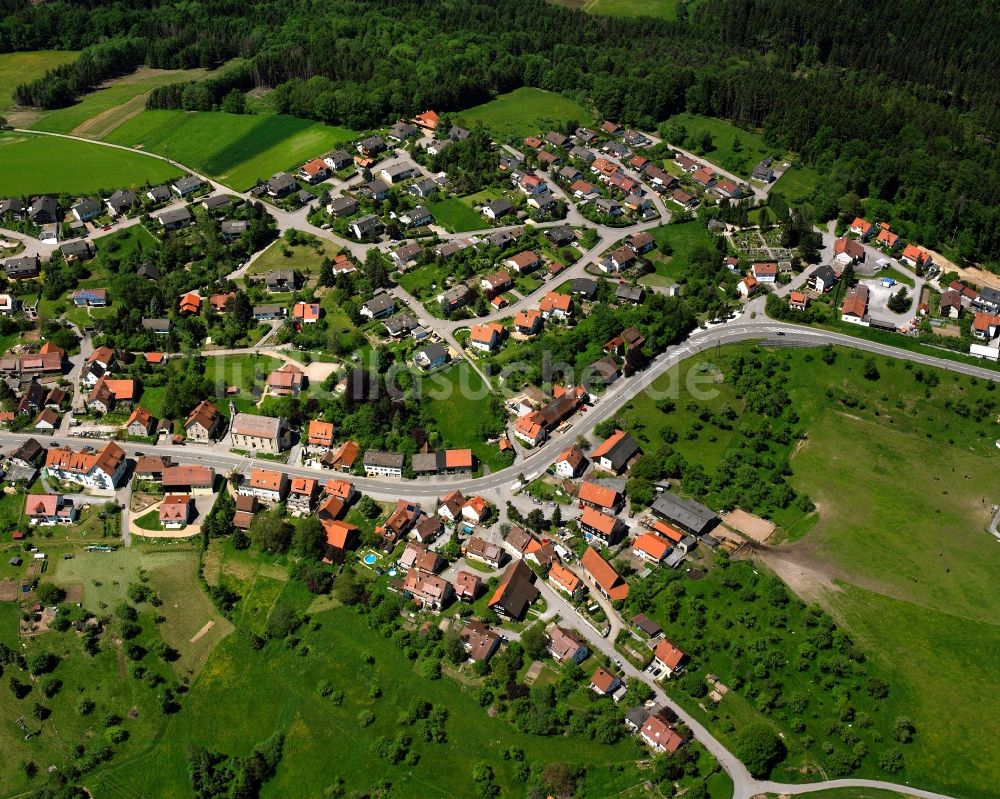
524, 262
595, 524
287, 381
600, 497
567, 581
216, 202
373, 145
484, 551
669, 658
428, 120
650, 548
402, 519
407, 255
397, 173
450, 507
24, 266
186, 186
340, 536
913, 257
417, 556
532, 185
423, 188
383, 464
320, 435
416, 217
763, 171
306, 313
176, 511
315, 171
475, 509
684, 199
90, 298
887, 238
566, 646
848, 251
86, 209
570, 463
47, 510
232, 229
379, 306
269, 312
428, 590
608, 207
607, 580
555, 305
798, 301
174, 218
265, 433
77, 250
341, 207
341, 459
616, 452
366, 226
150, 468
604, 683
431, 356
822, 279
101, 471
480, 640
951, 304
647, 626
189, 304
487, 337
159, 194
188, 479
630, 294
660, 736
109, 394
455, 298
204, 423
766, 272
302, 495
269, 486
855, 307
141, 423
246, 508
497, 209
659, 179
704, 177
428, 528
861, 227
496, 282
43, 211
47, 421
515, 592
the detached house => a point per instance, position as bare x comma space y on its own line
49, 509
616, 453
102, 471
204, 423
515, 593
570, 463
524, 262
565, 646
855, 307
267, 485
595, 524
486, 337
668, 657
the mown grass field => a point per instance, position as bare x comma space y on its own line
103, 110
46, 164
306, 258
797, 183
903, 472
676, 245
741, 159
236, 149
526, 111
18, 68
456, 216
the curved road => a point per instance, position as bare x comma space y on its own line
700, 341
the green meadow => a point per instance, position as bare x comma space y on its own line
734, 149
18, 68
32, 164
526, 111
236, 149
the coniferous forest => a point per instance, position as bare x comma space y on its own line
896, 101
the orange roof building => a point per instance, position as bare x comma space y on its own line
650, 547
608, 581
598, 496
189, 303
320, 433
565, 579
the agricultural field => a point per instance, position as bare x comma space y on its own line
18, 68
526, 111
733, 148
101, 111
235, 149
902, 471
456, 216
38, 164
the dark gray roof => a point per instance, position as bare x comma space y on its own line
380, 303
390, 460
583, 285
215, 201
427, 463
501, 206
622, 452
156, 325
687, 513
188, 184
824, 273
88, 206
173, 215
433, 352
637, 716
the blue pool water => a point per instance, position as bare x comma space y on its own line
370, 559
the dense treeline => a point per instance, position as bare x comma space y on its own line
890, 101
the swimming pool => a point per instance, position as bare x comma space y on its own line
371, 559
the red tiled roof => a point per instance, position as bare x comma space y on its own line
604, 575
597, 494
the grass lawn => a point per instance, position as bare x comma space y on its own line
281, 687
456, 216
741, 161
680, 241
526, 111
18, 68
149, 521
36, 164
306, 258
797, 183
425, 281
236, 149
462, 404
244, 371
103, 110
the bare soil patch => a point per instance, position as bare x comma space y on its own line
751, 525
198, 635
